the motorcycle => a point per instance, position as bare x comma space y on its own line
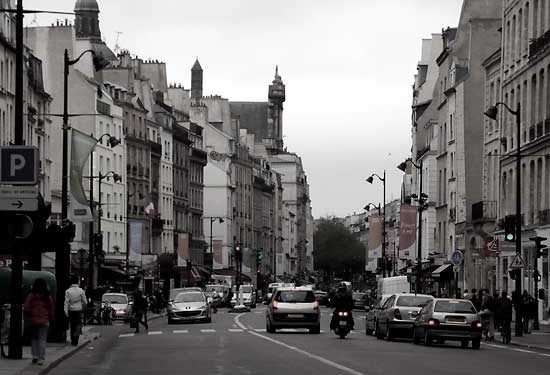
342, 323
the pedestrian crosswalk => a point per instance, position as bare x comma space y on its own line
210, 331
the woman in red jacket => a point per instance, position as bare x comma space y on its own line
39, 307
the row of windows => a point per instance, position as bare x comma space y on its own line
135, 125
535, 194
532, 93
527, 21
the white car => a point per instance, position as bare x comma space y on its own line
248, 295
293, 308
120, 304
189, 306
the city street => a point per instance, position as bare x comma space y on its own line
238, 344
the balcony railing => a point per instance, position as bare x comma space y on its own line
484, 211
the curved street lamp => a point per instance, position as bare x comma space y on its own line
383, 179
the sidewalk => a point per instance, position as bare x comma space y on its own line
55, 353
535, 340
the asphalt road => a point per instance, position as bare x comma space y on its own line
238, 344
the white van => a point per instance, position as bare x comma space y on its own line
393, 285
273, 286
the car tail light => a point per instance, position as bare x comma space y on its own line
274, 305
397, 314
316, 305
433, 322
477, 325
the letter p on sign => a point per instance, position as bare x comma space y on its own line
18, 165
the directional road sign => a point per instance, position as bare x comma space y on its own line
18, 191
18, 165
457, 258
19, 204
517, 263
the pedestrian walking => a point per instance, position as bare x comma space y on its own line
75, 304
504, 310
488, 314
39, 309
215, 298
140, 311
475, 300
527, 302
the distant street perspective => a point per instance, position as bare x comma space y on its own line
299, 187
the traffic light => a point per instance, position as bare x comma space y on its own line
510, 228
98, 242
259, 255
540, 248
189, 265
536, 276
238, 252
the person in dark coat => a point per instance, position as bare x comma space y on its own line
39, 307
527, 303
475, 300
140, 310
504, 312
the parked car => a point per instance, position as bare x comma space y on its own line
370, 322
220, 289
176, 291
322, 298
397, 316
293, 308
359, 300
448, 319
189, 306
248, 294
120, 304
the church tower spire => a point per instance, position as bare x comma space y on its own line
276, 97
87, 19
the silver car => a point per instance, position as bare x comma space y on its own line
448, 319
189, 306
397, 316
293, 308
122, 309
370, 321
176, 291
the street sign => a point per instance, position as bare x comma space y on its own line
517, 263
492, 247
7, 192
457, 258
21, 227
18, 165
19, 204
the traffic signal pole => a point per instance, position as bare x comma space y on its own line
519, 317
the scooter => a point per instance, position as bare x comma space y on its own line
343, 323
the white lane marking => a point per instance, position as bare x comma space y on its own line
321, 331
258, 312
250, 327
524, 351
496, 346
238, 322
176, 331
259, 330
208, 330
310, 355
127, 335
154, 333
236, 330
546, 355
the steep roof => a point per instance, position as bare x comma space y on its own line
86, 5
197, 66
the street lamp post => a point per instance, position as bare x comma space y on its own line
422, 205
112, 142
492, 113
383, 179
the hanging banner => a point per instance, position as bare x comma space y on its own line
375, 237
218, 256
82, 146
136, 235
183, 249
407, 232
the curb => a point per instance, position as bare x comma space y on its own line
50, 366
528, 346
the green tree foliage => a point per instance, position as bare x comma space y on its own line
336, 249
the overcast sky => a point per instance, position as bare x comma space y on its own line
348, 66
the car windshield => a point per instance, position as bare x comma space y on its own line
115, 299
295, 296
217, 288
456, 307
243, 288
412, 301
189, 297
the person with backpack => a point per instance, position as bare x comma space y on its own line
39, 308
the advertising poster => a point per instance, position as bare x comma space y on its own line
407, 232
375, 237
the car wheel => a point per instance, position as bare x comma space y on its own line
427, 338
476, 344
268, 327
377, 332
389, 333
464, 344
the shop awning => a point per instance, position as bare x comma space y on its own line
441, 271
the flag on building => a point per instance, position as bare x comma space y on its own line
150, 210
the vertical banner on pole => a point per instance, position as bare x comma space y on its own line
183, 249
136, 235
218, 256
375, 237
407, 232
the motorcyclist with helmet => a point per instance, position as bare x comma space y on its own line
342, 301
